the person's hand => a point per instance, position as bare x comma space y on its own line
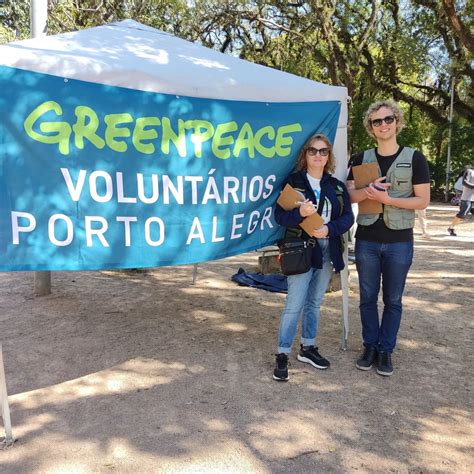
320, 233
307, 208
374, 194
380, 183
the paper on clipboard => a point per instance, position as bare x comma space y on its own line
364, 175
290, 198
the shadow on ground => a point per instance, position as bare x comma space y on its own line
144, 371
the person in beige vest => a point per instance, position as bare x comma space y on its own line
384, 242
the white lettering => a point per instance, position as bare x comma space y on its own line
52, 234
126, 225
17, 228
161, 230
109, 192
236, 226
98, 232
74, 191
120, 195
196, 232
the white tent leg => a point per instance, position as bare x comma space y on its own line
345, 297
4, 403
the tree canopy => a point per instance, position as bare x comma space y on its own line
409, 50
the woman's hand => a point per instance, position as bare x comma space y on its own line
307, 208
320, 233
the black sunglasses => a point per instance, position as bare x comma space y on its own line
314, 151
388, 120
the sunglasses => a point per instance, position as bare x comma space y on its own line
388, 120
314, 151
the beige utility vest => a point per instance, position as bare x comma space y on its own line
399, 175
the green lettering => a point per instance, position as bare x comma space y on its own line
220, 141
178, 139
203, 131
283, 143
112, 131
86, 130
245, 140
61, 130
265, 151
140, 134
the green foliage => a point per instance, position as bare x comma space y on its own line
402, 49
462, 151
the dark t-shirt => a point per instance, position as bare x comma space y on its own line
378, 231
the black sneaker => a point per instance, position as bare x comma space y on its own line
281, 368
313, 357
367, 359
451, 232
385, 366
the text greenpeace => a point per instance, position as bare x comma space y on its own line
94, 176
227, 139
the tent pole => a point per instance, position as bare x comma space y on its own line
345, 295
4, 404
38, 27
195, 271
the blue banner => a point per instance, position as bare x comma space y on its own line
95, 176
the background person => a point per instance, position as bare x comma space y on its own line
467, 196
384, 242
423, 221
306, 291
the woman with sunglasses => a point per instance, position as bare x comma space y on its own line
329, 197
384, 242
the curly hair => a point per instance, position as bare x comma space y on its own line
390, 104
330, 164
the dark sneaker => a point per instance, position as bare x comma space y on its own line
310, 355
367, 359
281, 368
451, 232
385, 366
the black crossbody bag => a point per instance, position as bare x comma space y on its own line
296, 252
295, 255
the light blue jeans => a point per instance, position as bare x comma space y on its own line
305, 295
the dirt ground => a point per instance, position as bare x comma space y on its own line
146, 372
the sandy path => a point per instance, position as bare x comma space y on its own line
145, 372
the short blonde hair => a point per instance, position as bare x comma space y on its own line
390, 104
330, 164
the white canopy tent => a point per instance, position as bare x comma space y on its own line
129, 54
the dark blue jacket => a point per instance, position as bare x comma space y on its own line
339, 224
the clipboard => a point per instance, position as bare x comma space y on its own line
290, 199
363, 175
312, 222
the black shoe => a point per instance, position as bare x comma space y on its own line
385, 366
313, 357
367, 358
451, 232
281, 368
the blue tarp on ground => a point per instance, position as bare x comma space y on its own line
275, 282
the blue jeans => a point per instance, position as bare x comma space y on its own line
389, 263
305, 295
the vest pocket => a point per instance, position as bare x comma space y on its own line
398, 219
401, 179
